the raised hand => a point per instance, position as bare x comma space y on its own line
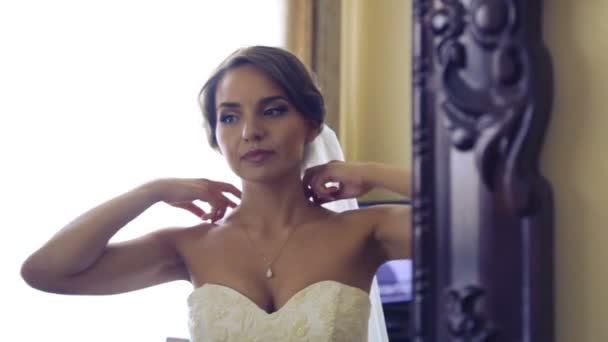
334, 181
182, 192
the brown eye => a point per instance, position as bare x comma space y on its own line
275, 111
227, 118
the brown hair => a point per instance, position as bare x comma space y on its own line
282, 67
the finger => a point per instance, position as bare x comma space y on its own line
330, 194
219, 201
211, 187
319, 183
219, 213
216, 194
331, 187
312, 186
210, 216
311, 196
225, 201
226, 187
191, 207
323, 200
308, 191
309, 174
316, 199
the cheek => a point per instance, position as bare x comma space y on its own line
222, 143
297, 147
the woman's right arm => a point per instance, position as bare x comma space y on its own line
79, 260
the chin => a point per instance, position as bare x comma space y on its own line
265, 174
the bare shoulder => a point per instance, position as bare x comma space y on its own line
193, 242
359, 223
178, 238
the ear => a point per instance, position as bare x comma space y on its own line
314, 129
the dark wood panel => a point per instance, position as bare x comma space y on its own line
483, 232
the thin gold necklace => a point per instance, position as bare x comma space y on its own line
269, 273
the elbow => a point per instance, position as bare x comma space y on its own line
38, 277
29, 274
33, 274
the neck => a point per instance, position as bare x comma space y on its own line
275, 206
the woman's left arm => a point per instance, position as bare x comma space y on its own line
384, 176
391, 223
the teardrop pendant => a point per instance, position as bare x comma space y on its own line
269, 273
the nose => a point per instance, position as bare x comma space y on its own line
253, 130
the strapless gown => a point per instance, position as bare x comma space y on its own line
323, 311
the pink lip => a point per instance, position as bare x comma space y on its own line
257, 155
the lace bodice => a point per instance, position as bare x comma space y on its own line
323, 311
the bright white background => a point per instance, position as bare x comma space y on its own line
97, 97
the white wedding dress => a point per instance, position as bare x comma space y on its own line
325, 311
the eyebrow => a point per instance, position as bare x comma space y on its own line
264, 101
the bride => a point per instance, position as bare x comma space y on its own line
277, 265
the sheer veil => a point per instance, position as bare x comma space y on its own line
324, 149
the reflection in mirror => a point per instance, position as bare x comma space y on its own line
112, 91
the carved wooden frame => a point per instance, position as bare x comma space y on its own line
483, 231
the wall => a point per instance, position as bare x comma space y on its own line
575, 160
375, 82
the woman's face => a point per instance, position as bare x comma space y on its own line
259, 132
